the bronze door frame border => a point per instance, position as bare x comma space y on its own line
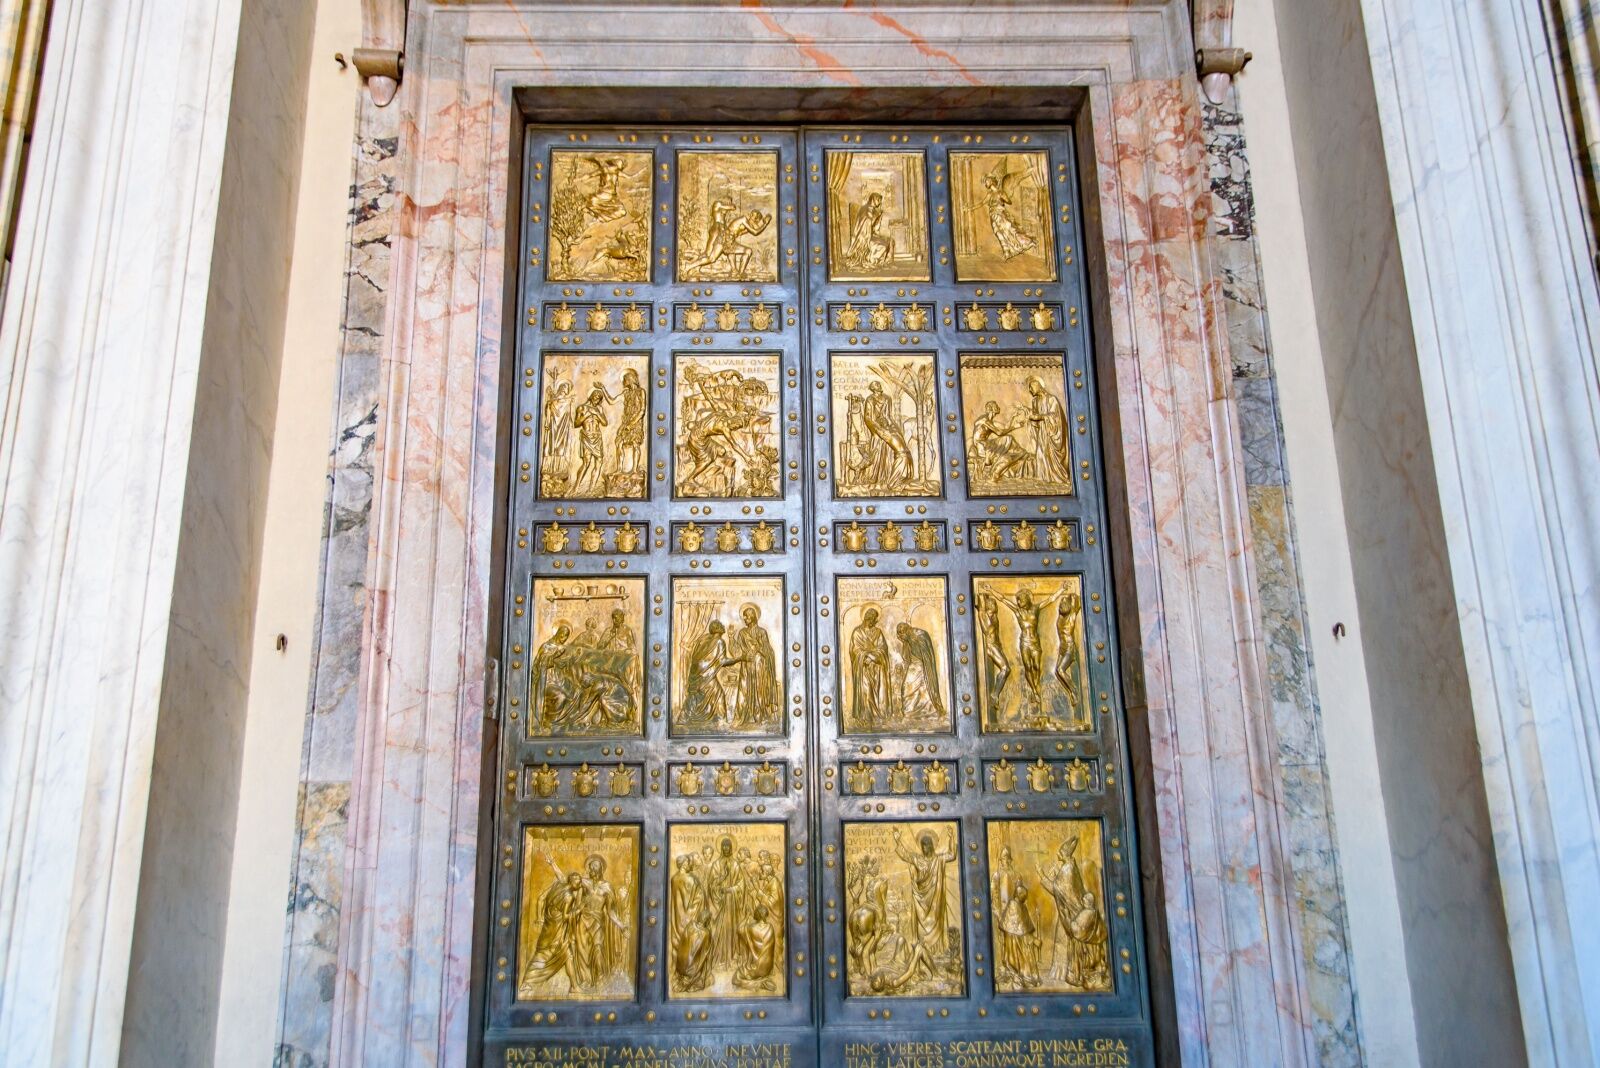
1104, 414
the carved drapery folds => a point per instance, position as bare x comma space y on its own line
381, 58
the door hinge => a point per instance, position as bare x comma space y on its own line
491, 689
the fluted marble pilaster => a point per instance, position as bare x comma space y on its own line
1506, 317
101, 342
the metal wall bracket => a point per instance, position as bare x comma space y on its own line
1216, 68
1216, 61
381, 58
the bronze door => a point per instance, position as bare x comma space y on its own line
810, 747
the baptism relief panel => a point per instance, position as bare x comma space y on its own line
592, 425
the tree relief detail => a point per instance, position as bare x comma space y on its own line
599, 216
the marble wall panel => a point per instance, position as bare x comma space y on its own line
1313, 849
1498, 387
1374, 329
328, 762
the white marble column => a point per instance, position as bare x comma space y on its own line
1506, 317
101, 341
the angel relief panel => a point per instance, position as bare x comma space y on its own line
1003, 231
600, 219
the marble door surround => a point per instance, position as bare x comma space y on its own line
1123, 72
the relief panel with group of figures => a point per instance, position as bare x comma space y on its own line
811, 734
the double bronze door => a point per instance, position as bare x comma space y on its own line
811, 743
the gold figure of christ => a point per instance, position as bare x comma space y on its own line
599, 216
895, 672
725, 900
726, 205
592, 427
903, 898
1031, 653
886, 426
724, 659
1002, 227
1047, 906
586, 678
579, 917
877, 217
726, 426
1019, 442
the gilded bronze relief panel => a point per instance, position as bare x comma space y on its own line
886, 419
1018, 433
877, 211
1030, 653
725, 676
1048, 907
895, 663
593, 421
587, 665
600, 215
904, 938
578, 921
727, 210
727, 425
1002, 230
727, 902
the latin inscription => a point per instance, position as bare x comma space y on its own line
1103, 1052
652, 1055
1096, 1052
